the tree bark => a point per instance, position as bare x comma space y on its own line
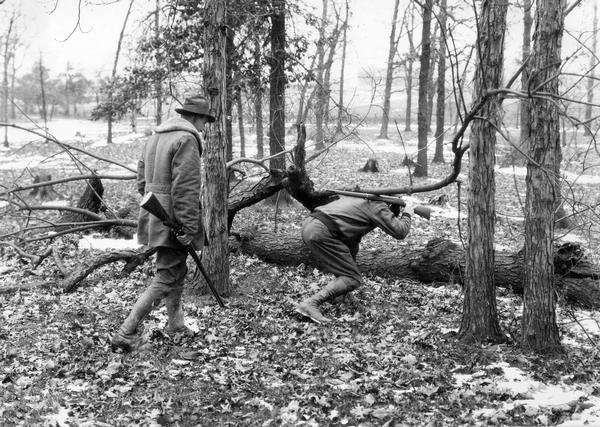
480, 318
389, 75
240, 114
422, 121
319, 90
592, 72
439, 262
441, 88
277, 82
409, 71
258, 101
158, 82
341, 108
516, 157
214, 194
539, 328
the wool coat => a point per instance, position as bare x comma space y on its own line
170, 168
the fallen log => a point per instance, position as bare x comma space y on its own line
440, 261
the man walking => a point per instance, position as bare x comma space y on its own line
333, 232
169, 168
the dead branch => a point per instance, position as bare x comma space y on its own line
132, 260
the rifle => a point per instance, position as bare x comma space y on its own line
151, 204
422, 211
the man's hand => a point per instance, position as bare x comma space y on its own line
409, 209
185, 239
395, 209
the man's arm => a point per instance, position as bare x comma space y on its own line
185, 184
141, 173
384, 218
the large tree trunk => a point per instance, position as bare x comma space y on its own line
539, 328
389, 75
277, 85
480, 318
214, 194
422, 121
439, 262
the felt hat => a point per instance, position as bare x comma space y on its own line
196, 105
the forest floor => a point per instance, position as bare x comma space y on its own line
390, 357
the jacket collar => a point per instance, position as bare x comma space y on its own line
178, 124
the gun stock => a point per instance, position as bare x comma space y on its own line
151, 204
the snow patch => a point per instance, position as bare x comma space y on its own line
103, 244
570, 177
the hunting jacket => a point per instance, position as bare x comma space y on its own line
170, 168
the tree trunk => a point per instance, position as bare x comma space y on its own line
240, 114
158, 82
44, 109
592, 72
389, 75
277, 85
439, 262
422, 122
229, 47
409, 71
516, 156
433, 59
114, 73
258, 102
6, 57
319, 90
480, 318
441, 88
539, 328
341, 108
214, 194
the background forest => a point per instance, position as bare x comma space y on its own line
486, 112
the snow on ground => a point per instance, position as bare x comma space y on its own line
534, 396
570, 177
103, 244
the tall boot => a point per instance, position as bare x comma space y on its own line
310, 306
176, 323
127, 337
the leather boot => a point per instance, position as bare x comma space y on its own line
176, 322
310, 306
128, 337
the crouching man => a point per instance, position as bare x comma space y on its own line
333, 232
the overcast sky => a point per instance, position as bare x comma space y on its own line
91, 47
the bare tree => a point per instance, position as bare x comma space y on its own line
114, 73
592, 73
422, 119
277, 81
214, 188
539, 328
412, 53
7, 56
158, 83
389, 75
341, 106
258, 101
441, 87
480, 319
